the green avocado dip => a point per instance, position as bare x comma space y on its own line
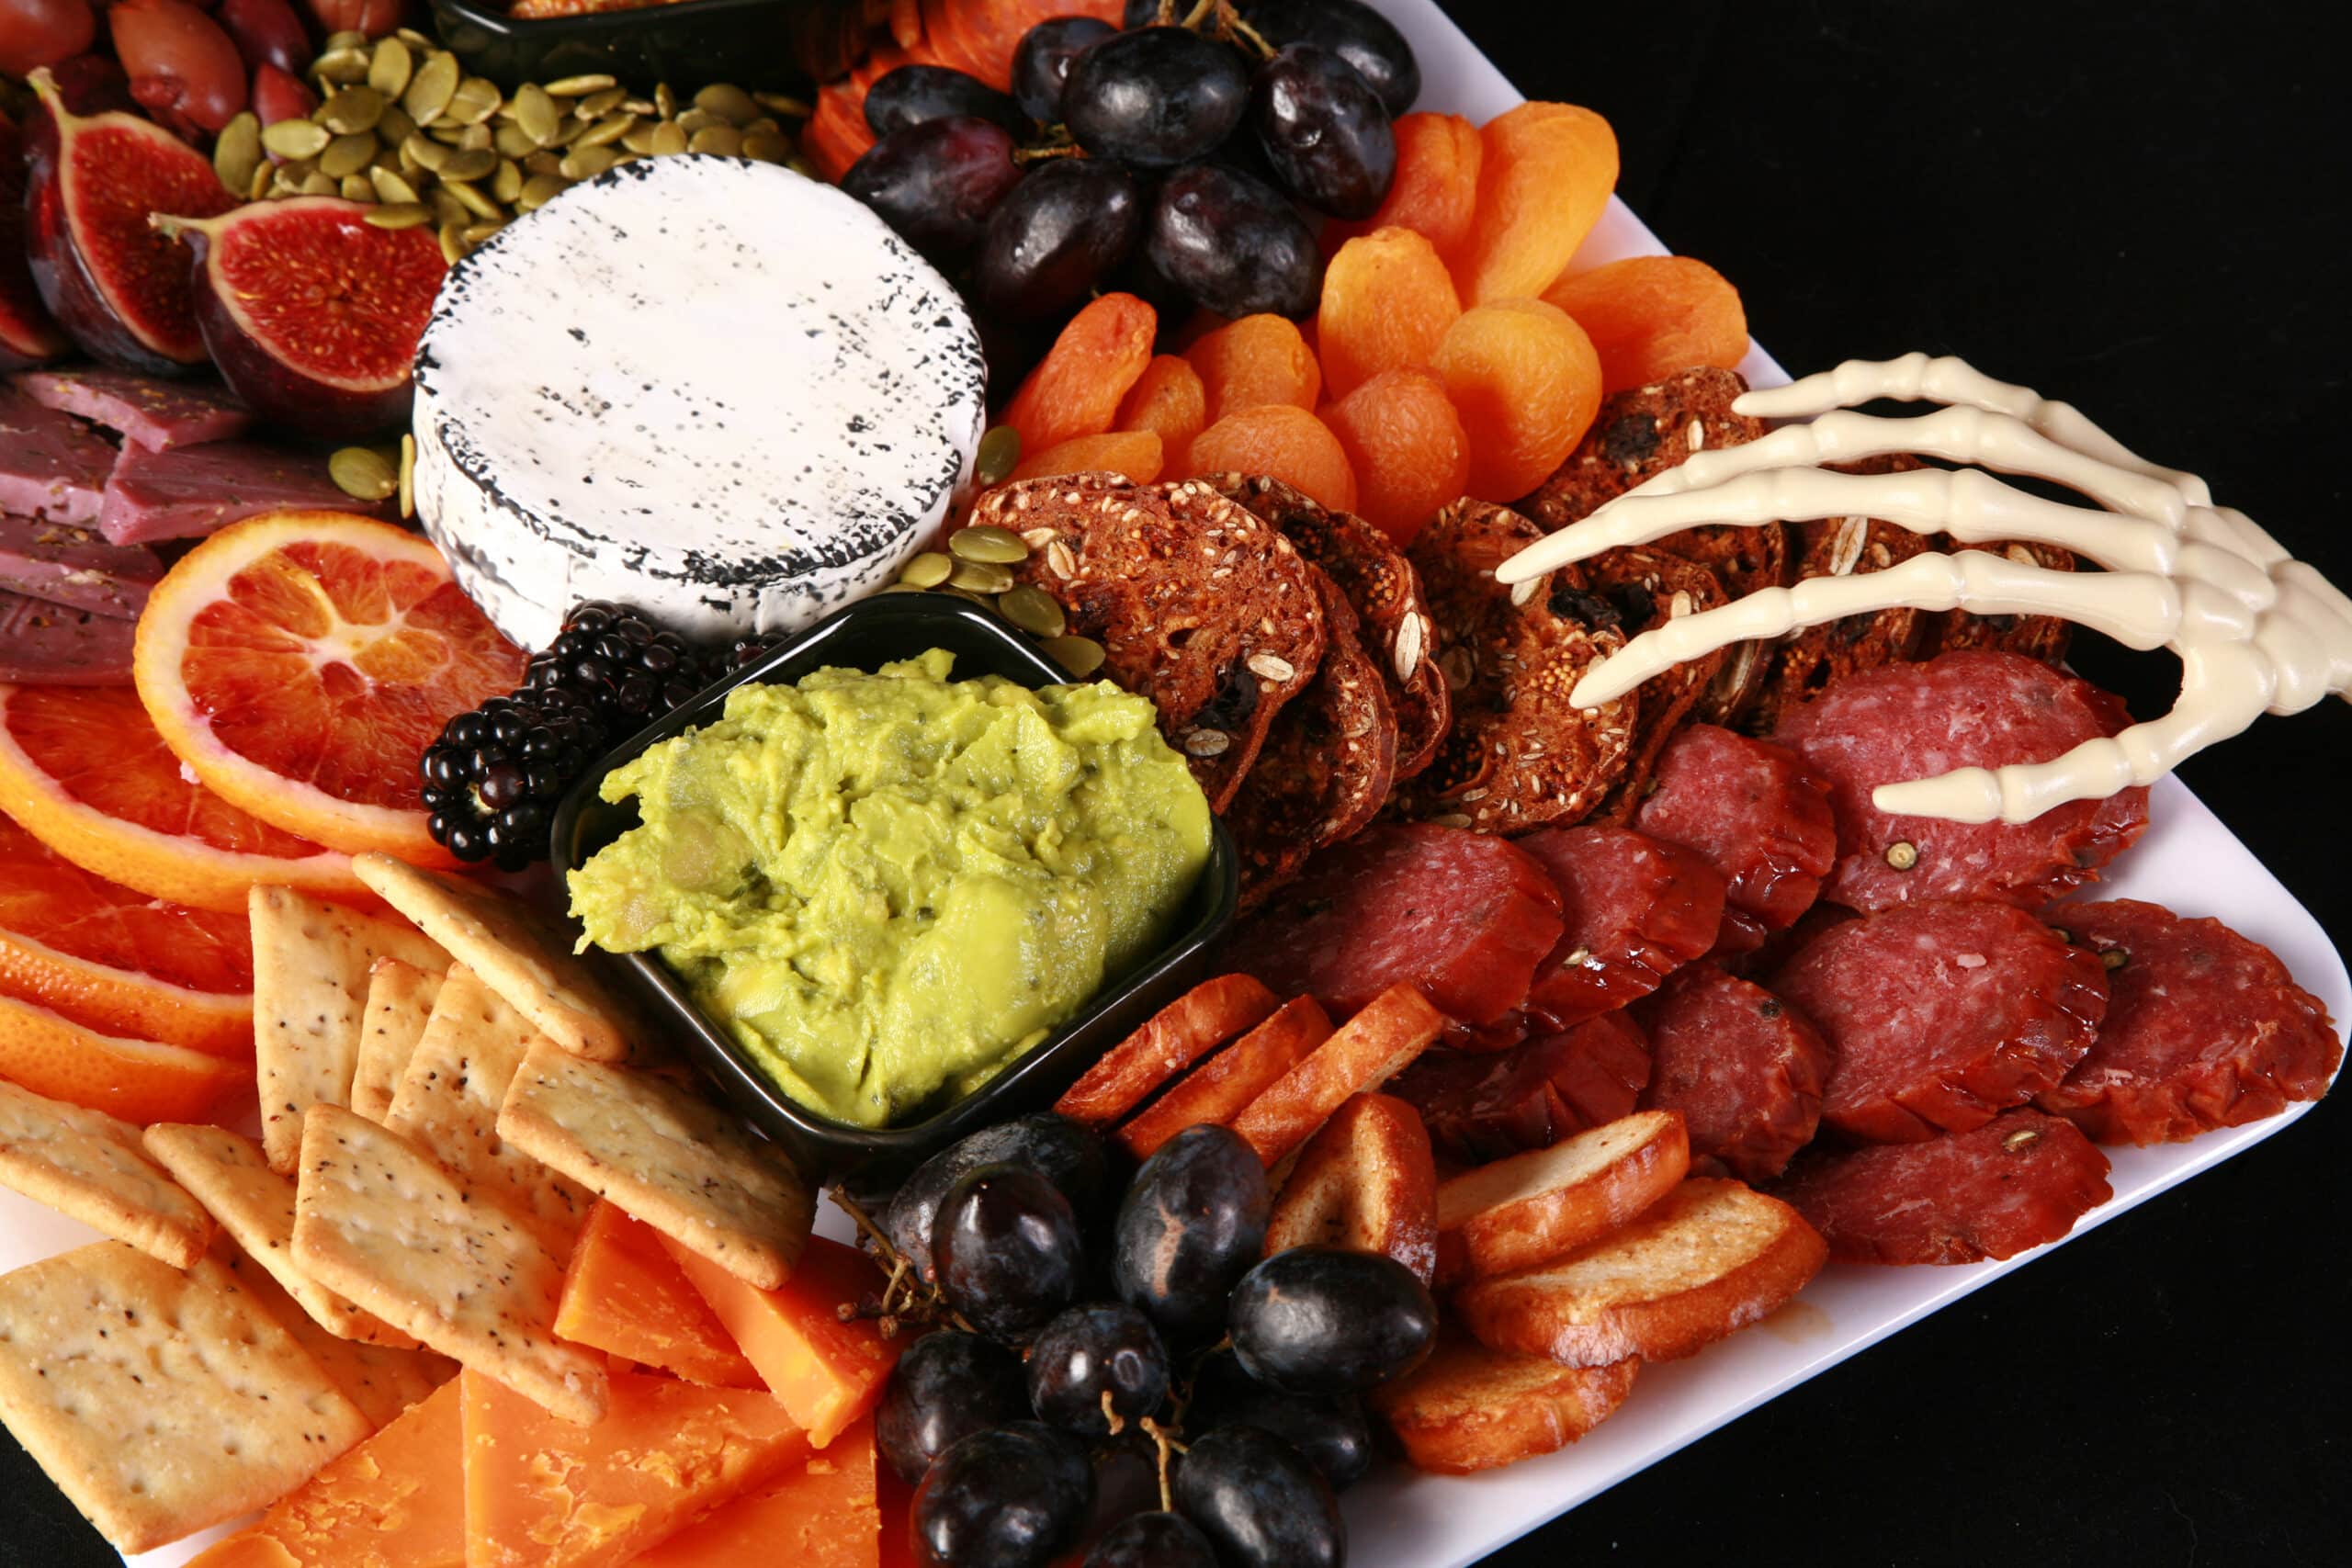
886, 887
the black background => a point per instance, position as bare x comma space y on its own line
2143, 209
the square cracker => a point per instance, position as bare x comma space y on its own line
310, 964
381, 1381
160, 1401
399, 998
448, 1099
89, 1166
375, 1218
524, 955
666, 1156
226, 1172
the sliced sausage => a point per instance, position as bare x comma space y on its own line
1942, 1015
1483, 1106
1632, 908
1749, 807
1744, 1067
2204, 1028
2019, 1180
1975, 708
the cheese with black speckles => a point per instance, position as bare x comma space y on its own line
709, 388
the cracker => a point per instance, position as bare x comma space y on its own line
89, 1166
399, 998
448, 1101
228, 1174
666, 1156
383, 1383
375, 1218
160, 1401
525, 956
310, 964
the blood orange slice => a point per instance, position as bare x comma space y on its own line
302, 662
84, 771
118, 961
137, 1080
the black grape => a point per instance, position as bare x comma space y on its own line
1191, 1226
1331, 1432
913, 94
1041, 63
1261, 1504
1155, 98
937, 183
1009, 1497
1153, 1540
1354, 32
947, 1387
1321, 1320
1323, 131
1066, 1153
1007, 1249
1090, 1351
1235, 245
1069, 226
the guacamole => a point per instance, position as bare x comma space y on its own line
888, 886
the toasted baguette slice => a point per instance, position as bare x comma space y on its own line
1369, 1049
1368, 1183
1545, 1204
1171, 1041
1711, 1256
1469, 1408
1218, 1088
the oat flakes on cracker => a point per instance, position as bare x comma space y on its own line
399, 998
90, 1167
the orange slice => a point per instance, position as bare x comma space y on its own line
118, 962
137, 1080
83, 769
300, 663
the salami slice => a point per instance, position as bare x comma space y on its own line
1744, 1067
1976, 709
2204, 1028
1480, 1107
2020, 1180
1749, 806
1462, 916
1942, 1015
1632, 908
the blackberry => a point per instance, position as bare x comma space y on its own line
620, 664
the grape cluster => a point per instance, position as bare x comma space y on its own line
1137, 1381
1182, 164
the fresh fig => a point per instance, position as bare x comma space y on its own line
34, 33
27, 336
281, 94
268, 33
92, 83
119, 289
183, 65
312, 312
373, 18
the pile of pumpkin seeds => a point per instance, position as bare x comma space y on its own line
401, 127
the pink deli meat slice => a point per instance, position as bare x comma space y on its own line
150, 411
52, 467
73, 566
190, 492
44, 644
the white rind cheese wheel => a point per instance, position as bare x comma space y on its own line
712, 389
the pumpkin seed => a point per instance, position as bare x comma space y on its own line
514, 142
477, 232
430, 90
473, 200
605, 131
730, 104
476, 99
1034, 611
346, 155
474, 139
999, 453
507, 183
639, 107
393, 126
352, 112
400, 214
389, 67
927, 570
345, 38
580, 85
362, 473
536, 113
697, 119
669, 140
341, 67
980, 576
446, 209
766, 149
723, 140
408, 475
638, 137
296, 138
802, 167
425, 152
356, 189
453, 242
1082, 656
466, 163
317, 184
542, 163
263, 170
416, 40
986, 543
236, 151
586, 163
284, 184
538, 190
596, 106
783, 104
665, 102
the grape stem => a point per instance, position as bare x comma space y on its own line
1039, 154
1165, 1443
921, 1303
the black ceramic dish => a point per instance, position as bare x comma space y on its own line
764, 45
865, 636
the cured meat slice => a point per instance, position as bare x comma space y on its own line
1744, 1067
1462, 916
155, 413
1520, 755
52, 466
1749, 808
44, 644
2021, 1179
1198, 604
72, 566
1971, 709
1639, 590
1942, 1015
1633, 910
2204, 1028
1483, 1106
190, 492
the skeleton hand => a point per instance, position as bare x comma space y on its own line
2255, 630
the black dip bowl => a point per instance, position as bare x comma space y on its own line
757, 45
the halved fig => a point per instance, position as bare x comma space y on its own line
119, 289
28, 336
312, 312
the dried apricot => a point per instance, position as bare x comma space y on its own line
1544, 183
1169, 400
1387, 301
1406, 443
1435, 192
1258, 359
1526, 382
1076, 388
1283, 440
1651, 316
1134, 455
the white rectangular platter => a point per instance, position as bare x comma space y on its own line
2187, 862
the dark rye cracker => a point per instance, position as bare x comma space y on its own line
1200, 606
1520, 755
1328, 764
1629, 591
2037, 637
1386, 594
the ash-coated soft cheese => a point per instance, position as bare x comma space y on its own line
706, 387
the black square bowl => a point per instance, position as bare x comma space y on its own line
865, 636
755, 44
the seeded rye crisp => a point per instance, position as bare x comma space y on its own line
1636, 588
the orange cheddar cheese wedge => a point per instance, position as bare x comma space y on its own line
623, 1295
541, 1492
821, 1513
396, 1501
826, 1372
898, 1519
